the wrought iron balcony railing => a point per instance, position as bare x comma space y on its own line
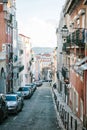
21, 68
75, 38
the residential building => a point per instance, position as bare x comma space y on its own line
75, 13
24, 59
7, 12
42, 65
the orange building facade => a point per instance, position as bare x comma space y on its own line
75, 12
6, 40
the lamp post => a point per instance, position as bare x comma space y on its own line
64, 31
61, 38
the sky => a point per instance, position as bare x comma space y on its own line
38, 19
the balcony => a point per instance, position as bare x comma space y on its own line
21, 68
8, 17
11, 55
15, 58
65, 74
66, 47
78, 37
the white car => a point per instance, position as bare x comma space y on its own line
14, 103
26, 91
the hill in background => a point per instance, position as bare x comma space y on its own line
39, 50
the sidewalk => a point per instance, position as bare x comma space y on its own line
66, 117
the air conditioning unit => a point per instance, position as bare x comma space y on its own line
3, 47
8, 17
5, 9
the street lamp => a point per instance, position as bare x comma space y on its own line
65, 70
62, 33
65, 32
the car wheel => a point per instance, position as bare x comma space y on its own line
7, 114
21, 107
16, 111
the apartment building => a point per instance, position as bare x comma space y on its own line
75, 13
7, 11
42, 65
24, 59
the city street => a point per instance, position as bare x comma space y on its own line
41, 42
38, 113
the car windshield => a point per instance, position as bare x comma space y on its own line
11, 98
19, 94
25, 89
30, 85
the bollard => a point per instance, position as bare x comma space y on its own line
71, 122
63, 115
55, 97
75, 124
58, 106
60, 110
65, 119
68, 121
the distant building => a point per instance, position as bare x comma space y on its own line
24, 59
42, 61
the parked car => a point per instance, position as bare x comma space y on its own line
3, 108
26, 91
14, 103
32, 86
20, 94
39, 83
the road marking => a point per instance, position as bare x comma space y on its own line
15, 118
47, 96
6, 125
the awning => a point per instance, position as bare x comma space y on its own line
83, 67
81, 61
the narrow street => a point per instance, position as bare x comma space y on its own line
38, 113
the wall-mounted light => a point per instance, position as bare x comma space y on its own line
64, 31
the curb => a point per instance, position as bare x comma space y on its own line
67, 119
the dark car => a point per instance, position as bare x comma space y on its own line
3, 108
14, 103
26, 91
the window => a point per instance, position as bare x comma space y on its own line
83, 21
